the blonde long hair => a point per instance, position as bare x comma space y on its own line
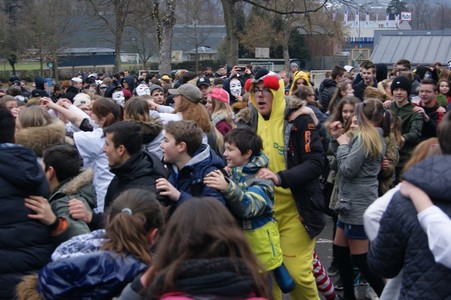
370, 114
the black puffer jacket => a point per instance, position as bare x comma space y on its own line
140, 171
402, 243
326, 91
25, 244
359, 89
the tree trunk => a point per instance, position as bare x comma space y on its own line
117, 49
168, 23
55, 68
231, 31
13, 66
164, 66
197, 60
41, 65
286, 54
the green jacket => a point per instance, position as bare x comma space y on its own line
81, 188
411, 126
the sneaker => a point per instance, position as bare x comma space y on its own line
370, 293
338, 285
332, 270
356, 292
359, 280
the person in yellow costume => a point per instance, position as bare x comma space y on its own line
295, 163
299, 78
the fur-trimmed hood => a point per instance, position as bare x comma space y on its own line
40, 138
151, 129
78, 182
294, 102
79, 185
244, 115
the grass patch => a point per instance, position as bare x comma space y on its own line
23, 65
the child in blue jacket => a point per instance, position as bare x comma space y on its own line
188, 161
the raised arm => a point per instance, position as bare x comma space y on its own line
64, 108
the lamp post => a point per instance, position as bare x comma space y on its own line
442, 20
362, 9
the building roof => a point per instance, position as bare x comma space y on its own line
91, 50
418, 46
185, 36
202, 50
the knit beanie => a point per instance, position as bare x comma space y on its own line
401, 82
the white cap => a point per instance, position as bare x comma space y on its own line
82, 99
77, 79
348, 68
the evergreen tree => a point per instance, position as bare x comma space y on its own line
395, 7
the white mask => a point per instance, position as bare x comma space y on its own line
119, 97
142, 90
235, 87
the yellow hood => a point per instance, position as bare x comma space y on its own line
271, 130
297, 76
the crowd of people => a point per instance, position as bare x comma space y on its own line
216, 185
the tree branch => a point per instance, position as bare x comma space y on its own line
288, 12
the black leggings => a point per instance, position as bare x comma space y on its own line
345, 267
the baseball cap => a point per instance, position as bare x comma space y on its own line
39, 93
166, 78
189, 91
77, 79
220, 95
82, 99
203, 81
348, 68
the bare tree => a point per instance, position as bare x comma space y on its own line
11, 37
165, 22
144, 34
306, 7
231, 42
48, 32
143, 42
272, 29
421, 15
196, 18
114, 13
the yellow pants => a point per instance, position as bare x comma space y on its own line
297, 248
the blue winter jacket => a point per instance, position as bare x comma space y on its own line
190, 179
25, 244
401, 243
98, 275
